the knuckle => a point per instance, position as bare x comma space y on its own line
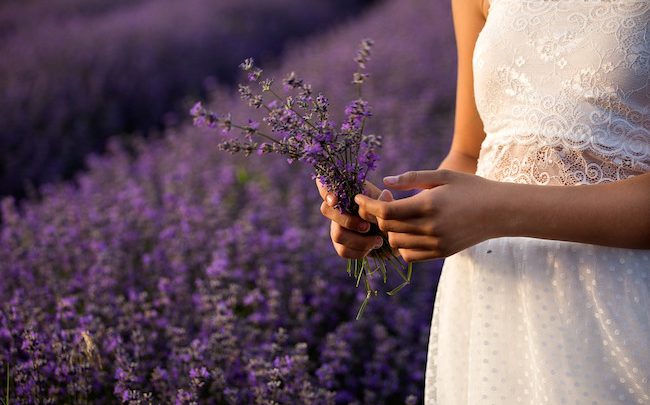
348, 222
410, 176
445, 175
430, 206
363, 214
430, 228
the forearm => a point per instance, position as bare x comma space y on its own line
614, 214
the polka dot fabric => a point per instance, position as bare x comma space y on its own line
530, 321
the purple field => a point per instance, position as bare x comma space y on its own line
170, 272
73, 73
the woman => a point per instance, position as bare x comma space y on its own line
542, 208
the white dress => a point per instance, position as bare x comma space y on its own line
562, 87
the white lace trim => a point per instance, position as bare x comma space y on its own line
562, 87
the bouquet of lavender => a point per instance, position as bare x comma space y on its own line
301, 130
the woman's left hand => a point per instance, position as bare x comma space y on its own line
453, 212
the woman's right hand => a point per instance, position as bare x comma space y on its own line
347, 231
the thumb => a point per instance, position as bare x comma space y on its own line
419, 179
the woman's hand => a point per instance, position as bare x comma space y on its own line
347, 231
453, 212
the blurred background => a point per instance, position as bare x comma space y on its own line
140, 264
74, 73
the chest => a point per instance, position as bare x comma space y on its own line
588, 50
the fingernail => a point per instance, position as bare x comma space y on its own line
330, 199
357, 198
364, 227
390, 180
379, 243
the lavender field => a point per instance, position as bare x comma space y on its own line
73, 72
170, 272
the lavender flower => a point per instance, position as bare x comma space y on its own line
300, 129
175, 258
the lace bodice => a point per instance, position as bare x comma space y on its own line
562, 87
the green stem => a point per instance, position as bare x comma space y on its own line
366, 279
383, 270
364, 304
363, 262
398, 288
407, 281
396, 265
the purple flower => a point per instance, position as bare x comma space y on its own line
253, 124
178, 258
201, 372
197, 109
313, 149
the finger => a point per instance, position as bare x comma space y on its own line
330, 198
410, 255
371, 190
349, 253
352, 239
409, 241
419, 179
322, 189
412, 226
347, 221
366, 216
398, 209
386, 195
393, 225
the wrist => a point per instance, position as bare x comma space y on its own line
505, 210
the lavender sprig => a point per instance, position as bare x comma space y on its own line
301, 130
